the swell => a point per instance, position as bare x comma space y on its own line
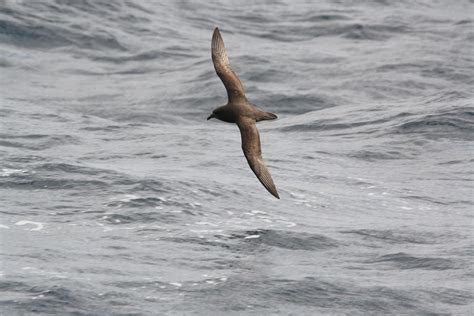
394, 237
49, 25
350, 31
37, 142
265, 239
338, 124
308, 25
53, 36
457, 123
405, 261
48, 299
320, 295
55, 176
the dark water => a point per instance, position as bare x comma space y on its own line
117, 197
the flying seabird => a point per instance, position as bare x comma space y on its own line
240, 111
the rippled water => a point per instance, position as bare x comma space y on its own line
118, 197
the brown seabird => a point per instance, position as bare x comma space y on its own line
240, 111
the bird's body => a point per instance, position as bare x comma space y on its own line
232, 111
240, 111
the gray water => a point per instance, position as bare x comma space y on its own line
117, 197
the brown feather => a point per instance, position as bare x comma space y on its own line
252, 151
235, 89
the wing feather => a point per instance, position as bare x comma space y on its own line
252, 151
235, 89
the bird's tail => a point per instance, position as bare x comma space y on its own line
266, 116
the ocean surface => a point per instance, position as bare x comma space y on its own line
117, 197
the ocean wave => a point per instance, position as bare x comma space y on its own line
251, 241
319, 295
375, 155
37, 142
163, 54
405, 261
450, 296
57, 176
35, 183
456, 123
288, 240
351, 31
395, 237
338, 124
296, 104
35, 35
139, 217
70, 168
47, 299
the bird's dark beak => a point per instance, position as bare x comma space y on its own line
210, 116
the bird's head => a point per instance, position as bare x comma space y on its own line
221, 113
213, 115
217, 113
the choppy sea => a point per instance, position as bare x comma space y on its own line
117, 197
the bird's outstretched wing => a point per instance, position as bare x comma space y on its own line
235, 89
253, 153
